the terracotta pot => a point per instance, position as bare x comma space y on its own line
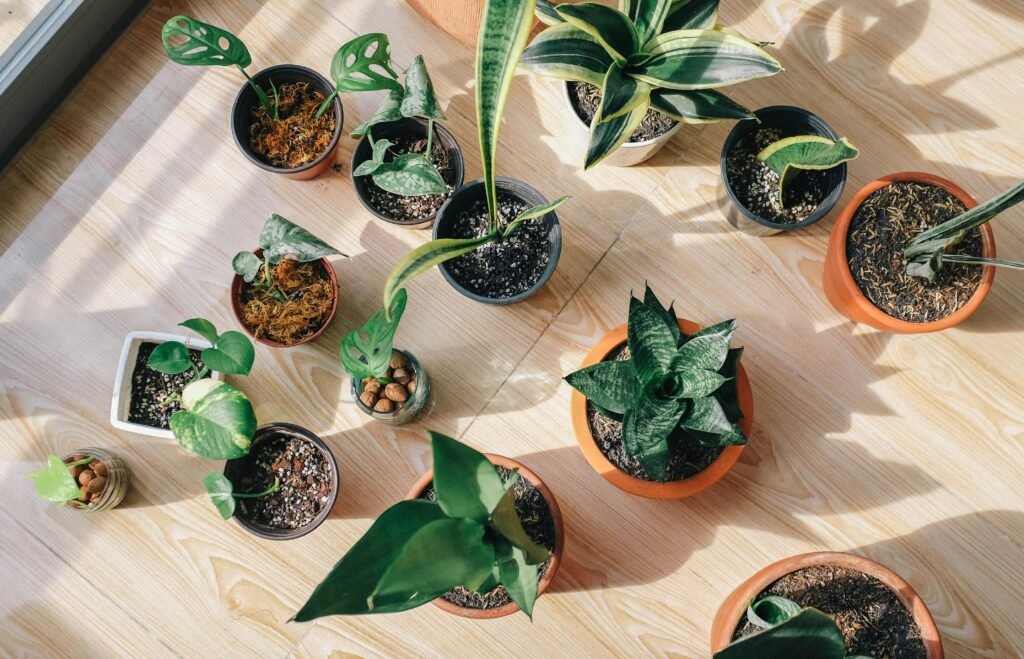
236, 305
735, 605
556, 556
844, 294
458, 18
652, 489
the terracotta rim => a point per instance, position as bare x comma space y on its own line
843, 292
732, 610
556, 556
652, 489
236, 306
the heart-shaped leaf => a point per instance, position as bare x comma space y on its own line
246, 265
170, 357
467, 484
366, 352
234, 354
203, 327
55, 482
217, 421
221, 493
419, 100
364, 64
194, 43
281, 238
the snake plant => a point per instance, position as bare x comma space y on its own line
792, 154
665, 55
927, 253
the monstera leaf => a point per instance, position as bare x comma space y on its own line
194, 43
281, 238
217, 420
364, 64
366, 352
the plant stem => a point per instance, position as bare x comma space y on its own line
260, 94
199, 374
430, 138
84, 461
269, 284
273, 488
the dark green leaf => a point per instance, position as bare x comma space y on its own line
649, 17
233, 354
609, 26
425, 257
410, 174
467, 484
547, 13
607, 136
419, 98
695, 383
811, 633
221, 493
669, 314
217, 421
651, 344
170, 357
700, 59
281, 238
55, 482
203, 327
532, 213
366, 352
691, 15
706, 415
194, 43
505, 520
389, 110
698, 105
791, 154
568, 53
706, 349
520, 579
622, 93
772, 610
646, 427
246, 265
364, 64
611, 385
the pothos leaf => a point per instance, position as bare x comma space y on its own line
221, 493
233, 354
281, 238
217, 421
170, 357
194, 43
203, 327
246, 265
55, 482
364, 64
419, 100
366, 352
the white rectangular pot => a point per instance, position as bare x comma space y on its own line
120, 404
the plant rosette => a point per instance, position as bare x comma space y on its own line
814, 577
89, 479
610, 344
305, 474
402, 395
849, 299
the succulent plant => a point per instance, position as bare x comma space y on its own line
419, 549
674, 389
800, 152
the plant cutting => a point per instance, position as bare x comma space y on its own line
90, 479
634, 73
285, 292
787, 630
480, 536
274, 119
222, 493
662, 408
229, 353
487, 238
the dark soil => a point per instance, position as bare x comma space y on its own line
873, 620
507, 266
151, 388
420, 207
688, 460
305, 475
586, 99
296, 137
309, 297
882, 228
537, 522
757, 186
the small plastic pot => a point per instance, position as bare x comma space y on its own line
238, 284
732, 611
427, 479
842, 291
405, 127
412, 407
118, 479
246, 100
472, 192
790, 119
680, 489
233, 472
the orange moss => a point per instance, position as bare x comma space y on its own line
309, 299
296, 137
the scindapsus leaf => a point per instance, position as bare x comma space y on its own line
217, 421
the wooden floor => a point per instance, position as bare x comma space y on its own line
14, 16
124, 213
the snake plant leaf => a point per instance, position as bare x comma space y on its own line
649, 17
692, 383
366, 352
611, 385
609, 26
706, 415
217, 421
697, 105
607, 136
667, 313
691, 15
364, 64
700, 59
547, 13
281, 238
772, 610
520, 579
533, 213
467, 484
568, 53
708, 347
389, 110
194, 43
651, 343
350, 583
232, 353
419, 100
646, 427
810, 633
622, 93
736, 33
246, 265
505, 520
409, 175
170, 357
791, 154
203, 327
931, 268
55, 482
221, 493
425, 257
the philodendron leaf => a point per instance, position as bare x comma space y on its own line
533, 213
376, 161
55, 482
194, 43
221, 493
645, 429
608, 25
425, 257
232, 353
505, 520
701, 59
409, 175
652, 345
520, 579
697, 105
772, 610
791, 154
170, 357
281, 238
467, 484
364, 64
419, 100
810, 633
389, 110
246, 265
366, 352
568, 53
217, 421
691, 15
203, 327
611, 385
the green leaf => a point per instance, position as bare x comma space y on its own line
389, 110
170, 357
366, 352
194, 43
646, 427
351, 582
694, 382
609, 26
772, 610
425, 257
706, 415
532, 213
698, 105
607, 136
364, 64
55, 482
568, 53
810, 633
691, 15
376, 161
281, 238
699, 59
246, 265
649, 17
611, 385
667, 313
706, 349
622, 93
805, 152
410, 174
203, 327
466, 483
505, 520
547, 13
419, 98
520, 579
651, 343
221, 493
233, 354
217, 421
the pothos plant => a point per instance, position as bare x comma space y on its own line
55, 482
666, 55
222, 492
419, 549
790, 155
675, 388
503, 32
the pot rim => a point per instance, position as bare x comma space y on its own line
731, 611
679, 489
879, 318
556, 556
664, 137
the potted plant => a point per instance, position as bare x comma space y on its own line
285, 292
274, 118
486, 241
405, 166
826, 605
785, 172
90, 479
479, 535
661, 407
913, 252
388, 384
635, 73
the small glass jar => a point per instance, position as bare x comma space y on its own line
118, 477
412, 407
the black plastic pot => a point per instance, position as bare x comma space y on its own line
391, 130
233, 472
472, 192
793, 120
246, 100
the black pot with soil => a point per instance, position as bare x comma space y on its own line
308, 475
749, 196
409, 136
507, 270
296, 143
148, 403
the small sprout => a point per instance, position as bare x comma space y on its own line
231, 353
223, 496
788, 156
56, 482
